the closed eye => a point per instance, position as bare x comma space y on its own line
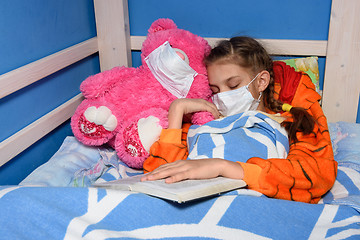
234, 87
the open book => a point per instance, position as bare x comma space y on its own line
180, 192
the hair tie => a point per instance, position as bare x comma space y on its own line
286, 107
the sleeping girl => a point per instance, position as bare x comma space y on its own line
266, 106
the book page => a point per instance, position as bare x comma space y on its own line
188, 189
181, 191
188, 185
120, 184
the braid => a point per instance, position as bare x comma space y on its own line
302, 122
270, 101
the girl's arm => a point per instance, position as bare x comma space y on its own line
196, 169
172, 144
310, 170
183, 106
189, 169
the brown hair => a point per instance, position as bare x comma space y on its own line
250, 54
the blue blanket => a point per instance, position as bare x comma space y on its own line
89, 213
238, 138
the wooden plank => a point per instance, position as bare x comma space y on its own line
136, 42
295, 47
30, 73
21, 140
342, 85
273, 46
113, 42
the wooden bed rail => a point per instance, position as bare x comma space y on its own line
277, 47
342, 85
24, 138
30, 73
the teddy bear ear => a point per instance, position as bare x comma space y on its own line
162, 24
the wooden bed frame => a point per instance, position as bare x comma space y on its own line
341, 84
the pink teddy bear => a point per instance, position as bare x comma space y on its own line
128, 107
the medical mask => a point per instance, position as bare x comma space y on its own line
236, 101
173, 73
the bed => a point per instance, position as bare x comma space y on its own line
36, 209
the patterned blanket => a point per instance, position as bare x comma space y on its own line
33, 212
91, 213
238, 138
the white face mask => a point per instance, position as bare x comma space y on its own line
236, 101
173, 73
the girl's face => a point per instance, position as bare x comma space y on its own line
227, 76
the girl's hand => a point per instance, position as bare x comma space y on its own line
196, 169
183, 106
191, 105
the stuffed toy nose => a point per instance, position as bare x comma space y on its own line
181, 55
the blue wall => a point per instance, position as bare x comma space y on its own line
305, 19
280, 19
30, 30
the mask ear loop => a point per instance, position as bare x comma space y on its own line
247, 86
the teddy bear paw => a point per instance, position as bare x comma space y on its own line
149, 131
132, 142
97, 122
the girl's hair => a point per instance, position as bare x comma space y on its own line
250, 54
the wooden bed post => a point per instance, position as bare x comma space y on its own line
114, 47
342, 70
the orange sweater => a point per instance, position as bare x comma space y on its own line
305, 175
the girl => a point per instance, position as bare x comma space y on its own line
243, 77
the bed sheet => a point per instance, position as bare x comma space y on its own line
29, 212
